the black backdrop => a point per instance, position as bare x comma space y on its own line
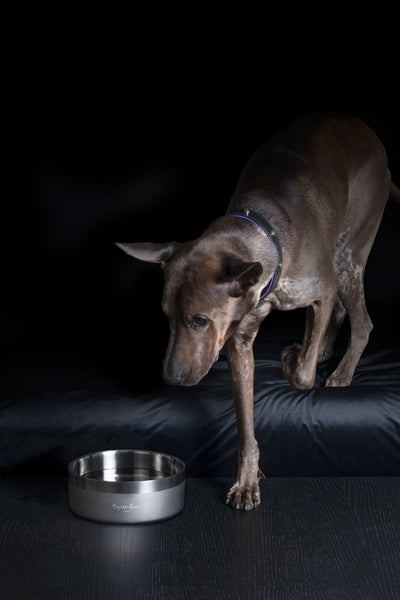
84, 334
155, 164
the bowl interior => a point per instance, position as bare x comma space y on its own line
126, 466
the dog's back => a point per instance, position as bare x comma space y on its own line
333, 164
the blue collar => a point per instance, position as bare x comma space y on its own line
260, 221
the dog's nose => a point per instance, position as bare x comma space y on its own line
179, 376
174, 375
173, 379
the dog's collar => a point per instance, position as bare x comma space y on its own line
260, 221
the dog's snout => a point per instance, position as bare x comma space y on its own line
187, 360
178, 380
174, 374
180, 374
173, 378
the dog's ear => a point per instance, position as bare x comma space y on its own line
240, 275
149, 252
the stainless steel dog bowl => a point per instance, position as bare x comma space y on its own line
126, 486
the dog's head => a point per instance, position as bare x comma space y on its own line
207, 292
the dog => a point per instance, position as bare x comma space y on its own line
297, 234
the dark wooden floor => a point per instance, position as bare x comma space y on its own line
311, 539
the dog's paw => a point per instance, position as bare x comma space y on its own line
297, 375
245, 494
338, 380
289, 356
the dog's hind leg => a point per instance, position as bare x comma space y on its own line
351, 291
351, 253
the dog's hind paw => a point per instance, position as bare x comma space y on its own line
336, 380
245, 494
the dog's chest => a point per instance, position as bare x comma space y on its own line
297, 293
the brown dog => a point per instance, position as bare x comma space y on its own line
322, 183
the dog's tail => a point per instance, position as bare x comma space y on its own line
395, 192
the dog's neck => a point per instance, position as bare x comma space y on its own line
248, 241
261, 222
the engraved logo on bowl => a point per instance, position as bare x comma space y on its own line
126, 508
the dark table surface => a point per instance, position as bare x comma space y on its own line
311, 538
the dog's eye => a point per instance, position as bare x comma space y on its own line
198, 321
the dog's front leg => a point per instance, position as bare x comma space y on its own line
245, 493
299, 363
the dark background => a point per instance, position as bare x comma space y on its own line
154, 163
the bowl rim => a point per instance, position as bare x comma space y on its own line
81, 480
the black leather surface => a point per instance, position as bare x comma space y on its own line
59, 407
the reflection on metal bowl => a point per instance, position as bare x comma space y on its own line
126, 486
